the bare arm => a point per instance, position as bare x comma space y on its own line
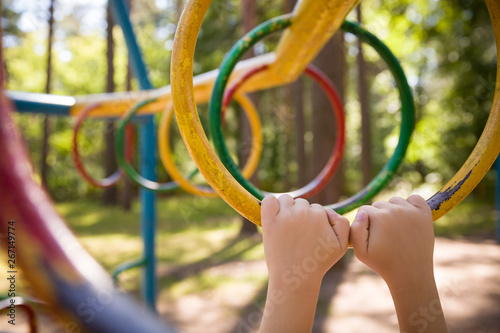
301, 243
396, 240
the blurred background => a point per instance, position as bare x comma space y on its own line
212, 276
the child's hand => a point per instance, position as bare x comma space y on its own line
396, 240
301, 241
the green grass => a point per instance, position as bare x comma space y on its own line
469, 219
191, 232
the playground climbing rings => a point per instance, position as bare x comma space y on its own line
169, 164
223, 181
338, 110
473, 170
404, 91
115, 177
126, 165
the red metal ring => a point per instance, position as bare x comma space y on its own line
115, 177
327, 85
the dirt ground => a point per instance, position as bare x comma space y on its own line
467, 278
353, 299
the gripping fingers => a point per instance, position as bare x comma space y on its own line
398, 201
301, 203
286, 200
381, 204
417, 201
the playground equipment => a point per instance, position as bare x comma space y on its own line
316, 185
338, 150
115, 177
60, 270
218, 138
66, 276
288, 65
248, 171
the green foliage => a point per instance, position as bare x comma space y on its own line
85, 72
10, 19
446, 48
23, 62
448, 52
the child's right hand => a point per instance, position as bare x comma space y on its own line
396, 240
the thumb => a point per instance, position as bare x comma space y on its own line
360, 232
340, 226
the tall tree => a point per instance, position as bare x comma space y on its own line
332, 61
249, 15
10, 19
110, 194
10, 28
179, 5
366, 157
46, 121
296, 93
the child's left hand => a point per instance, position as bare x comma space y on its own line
301, 241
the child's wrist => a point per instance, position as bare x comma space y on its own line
401, 285
295, 282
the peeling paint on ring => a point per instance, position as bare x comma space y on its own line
440, 197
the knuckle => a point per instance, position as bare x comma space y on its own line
395, 199
301, 201
285, 196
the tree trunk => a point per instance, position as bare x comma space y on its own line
128, 187
179, 7
366, 159
285, 110
44, 169
249, 15
109, 196
297, 104
332, 61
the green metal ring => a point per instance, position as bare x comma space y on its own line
280, 23
127, 166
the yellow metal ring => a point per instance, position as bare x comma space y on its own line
486, 151
173, 171
187, 115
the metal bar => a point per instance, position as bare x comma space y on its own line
147, 143
314, 23
41, 103
114, 105
126, 266
62, 273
